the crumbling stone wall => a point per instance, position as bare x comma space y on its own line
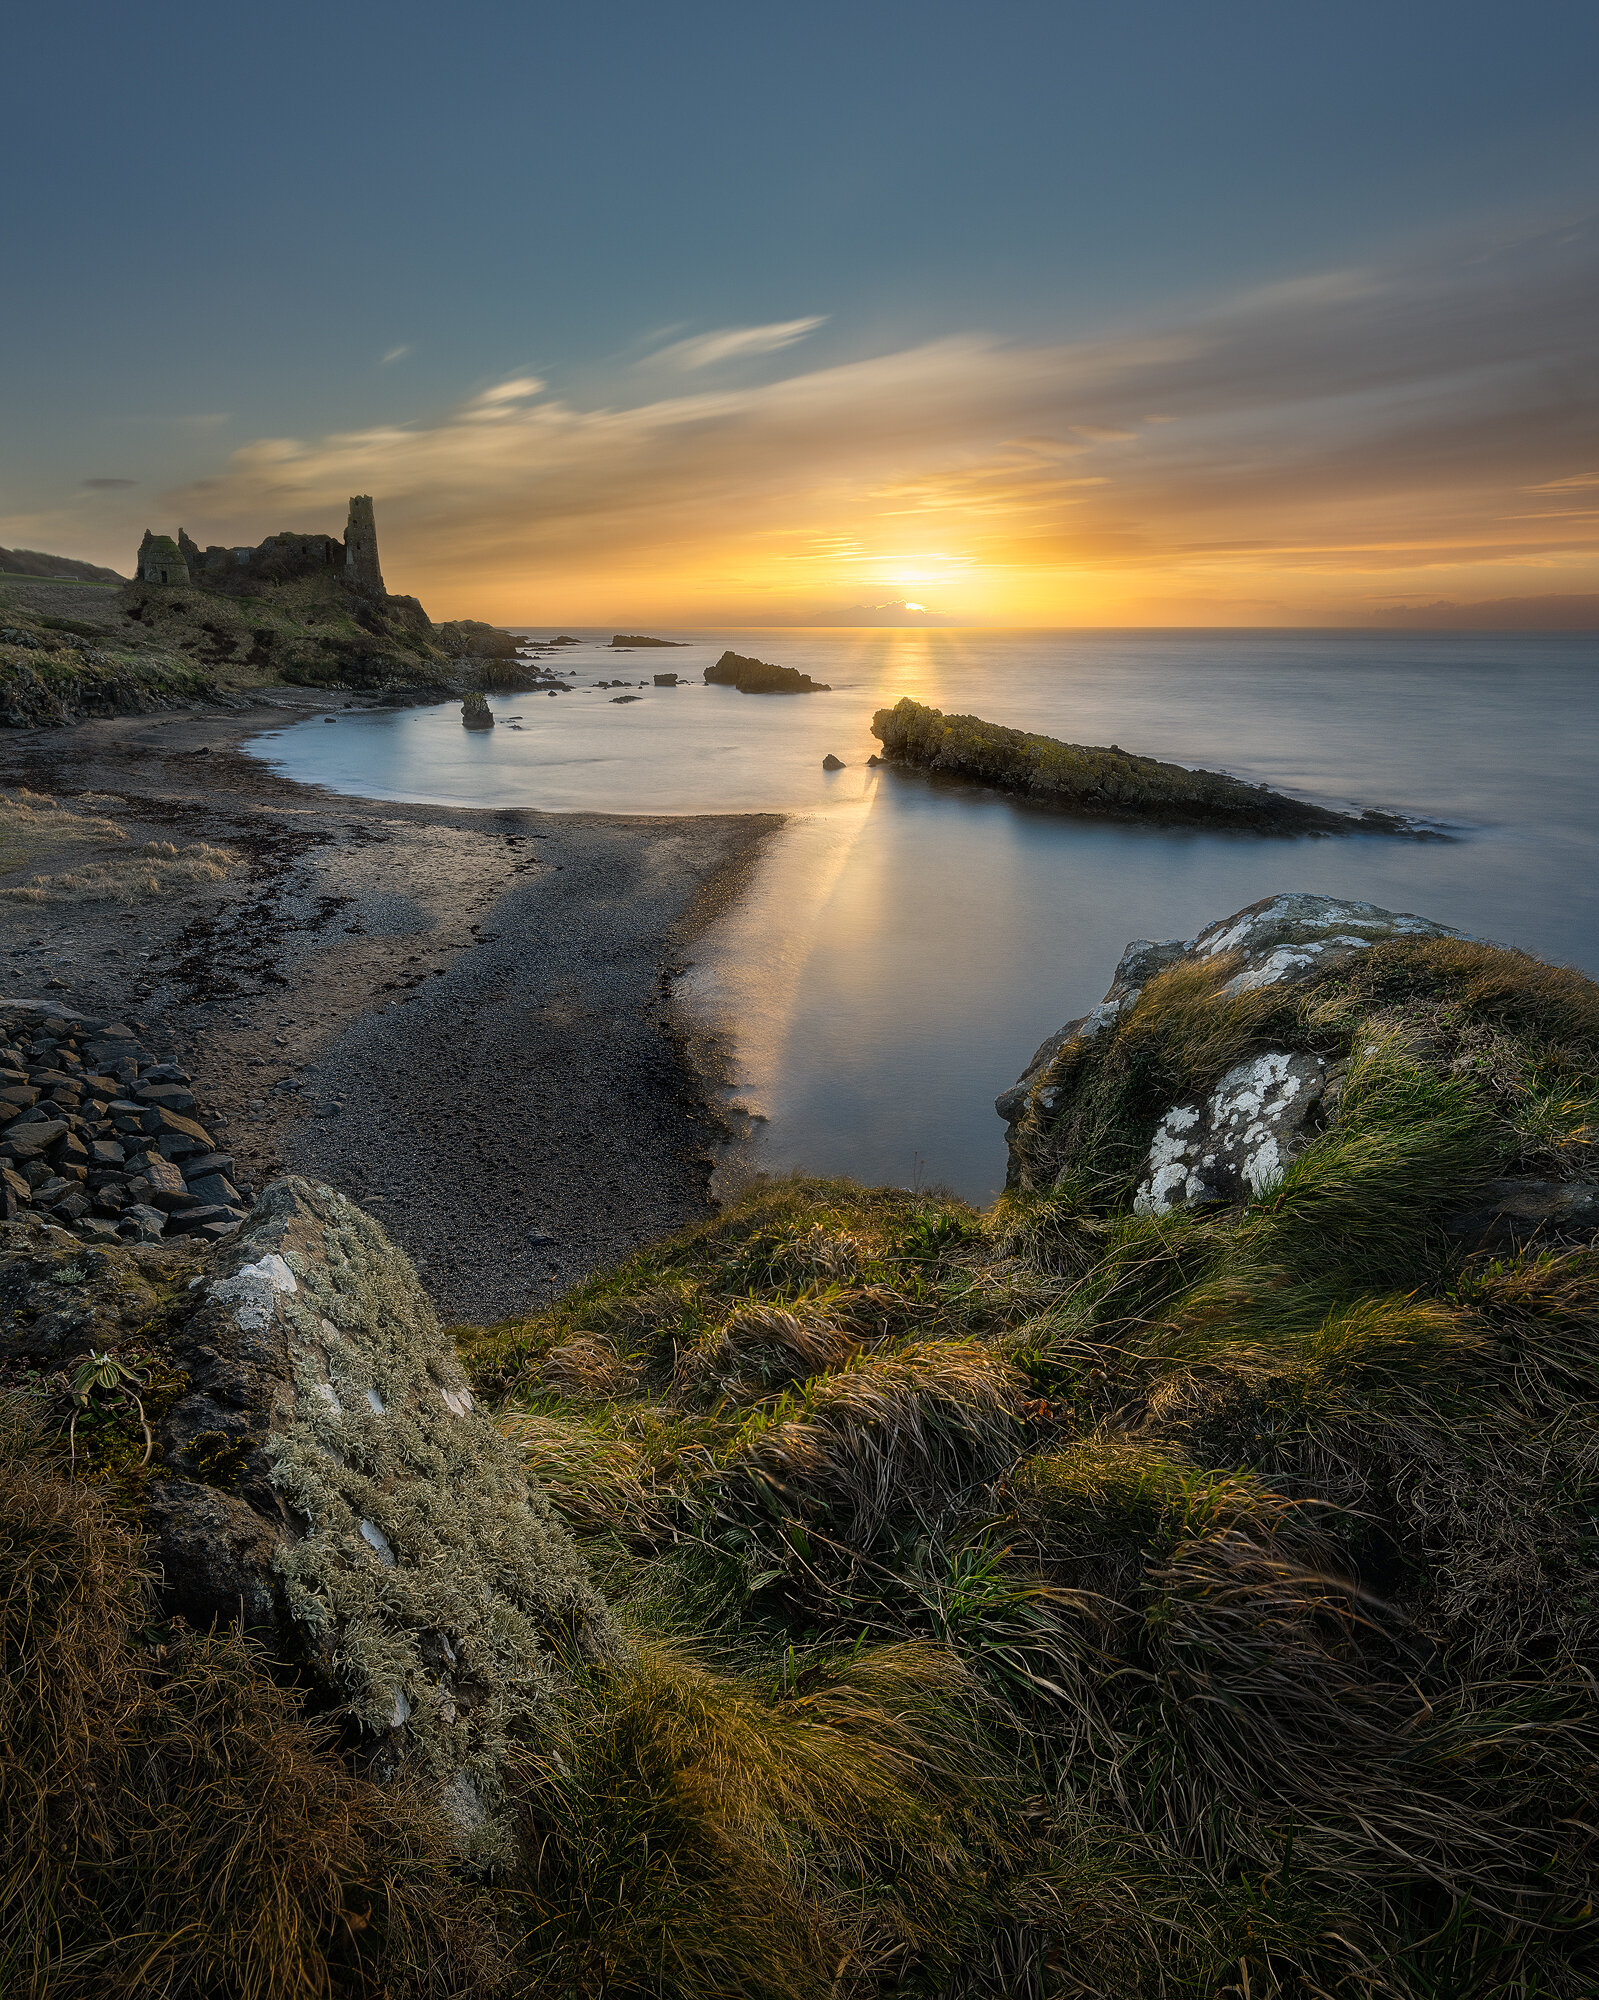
160, 560
281, 558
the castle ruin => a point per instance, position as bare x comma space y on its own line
279, 559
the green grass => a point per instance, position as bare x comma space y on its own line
1046, 1601
1264, 1536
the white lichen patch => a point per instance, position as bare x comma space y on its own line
1295, 934
254, 1291
1238, 1143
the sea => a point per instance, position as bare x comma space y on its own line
904, 944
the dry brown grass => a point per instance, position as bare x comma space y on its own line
32, 821
171, 1824
158, 868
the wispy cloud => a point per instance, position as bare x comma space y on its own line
105, 485
503, 398
394, 354
1316, 441
735, 343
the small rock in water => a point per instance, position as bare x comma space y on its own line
832, 763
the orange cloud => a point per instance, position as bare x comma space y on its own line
1321, 447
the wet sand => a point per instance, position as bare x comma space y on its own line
460, 1018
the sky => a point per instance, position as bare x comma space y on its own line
1147, 312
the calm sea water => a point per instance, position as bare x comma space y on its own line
904, 947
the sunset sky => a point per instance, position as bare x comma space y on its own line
1151, 312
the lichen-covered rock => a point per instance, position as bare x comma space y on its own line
321, 1475
1223, 1147
60, 1297
1238, 1140
331, 1471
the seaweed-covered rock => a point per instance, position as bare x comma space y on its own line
475, 711
1096, 781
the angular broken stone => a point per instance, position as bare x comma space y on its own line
163, 1177
213, 1188
27, 1142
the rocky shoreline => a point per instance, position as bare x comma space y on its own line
462, 1015
103, 1137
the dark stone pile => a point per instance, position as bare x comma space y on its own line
100, 1136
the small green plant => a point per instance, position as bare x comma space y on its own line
105, 1375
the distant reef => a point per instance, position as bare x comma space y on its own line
758, 677
639, 639
1099, 783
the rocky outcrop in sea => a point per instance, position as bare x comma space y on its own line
751, 676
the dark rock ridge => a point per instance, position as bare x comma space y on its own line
103, 1138
51, 678
471, 638
319, 1472
33, 562
631, 639
758, 677
1097, 783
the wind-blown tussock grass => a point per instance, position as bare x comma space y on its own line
1055, 1601
1264, 1534
170, 1823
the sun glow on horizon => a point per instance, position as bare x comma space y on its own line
1013, 484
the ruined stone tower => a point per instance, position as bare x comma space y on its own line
160, 560
361, 570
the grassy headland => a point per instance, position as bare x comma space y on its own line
1202, 1604
1050, 1600
110, 649
1098, 783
